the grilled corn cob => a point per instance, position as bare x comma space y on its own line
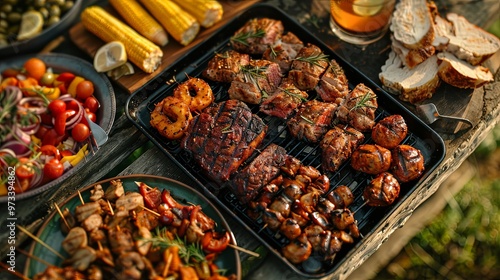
139, 19
140, 51
179, 24
206, 12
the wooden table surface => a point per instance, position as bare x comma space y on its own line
480, 105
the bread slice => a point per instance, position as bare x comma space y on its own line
412, 57
461, 74
412, 24
470, 42
412, 85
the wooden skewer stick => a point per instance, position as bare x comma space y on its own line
361, 206
13, 272
40, 260
262, 228
167, 265
40, 241
81, 198
151, 211
62, 216
244, 250
111, 208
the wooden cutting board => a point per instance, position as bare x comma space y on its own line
89, 43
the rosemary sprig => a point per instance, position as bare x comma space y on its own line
292, 94
227, 129
244, 36
307, 119
363, 102
253, 73
274, 53
224, 55
314, 59
187, 252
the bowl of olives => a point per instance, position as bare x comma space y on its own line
28, 25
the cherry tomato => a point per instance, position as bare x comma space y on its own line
63, 88
215, 242
50, 150
35, 68
60, 123
41, 131
80, 132
65, 153
91, 103
91, 116
72, 105
65, 77
10, 73
57, 107
25, 169
84, 90
52, 138
53, 169
46, 119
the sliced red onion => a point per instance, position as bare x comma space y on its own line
13, 90
7, 151
36, 105
18, 147
31, 128
37, 178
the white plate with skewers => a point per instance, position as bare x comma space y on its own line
93, 241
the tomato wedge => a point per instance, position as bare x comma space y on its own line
215, 242
152, 196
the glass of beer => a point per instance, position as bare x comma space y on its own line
360, 22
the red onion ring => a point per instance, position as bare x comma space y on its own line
36, 105
31, 128
18, 147
13, 90
37, 178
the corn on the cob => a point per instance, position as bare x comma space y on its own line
139, 19
140, 51
182, 26
206, 12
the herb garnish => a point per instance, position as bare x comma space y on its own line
187, 252
243, 37
314, 59
292, 94
363, 102
307, 119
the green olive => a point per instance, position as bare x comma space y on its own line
54, 11
4, 24
44, 12
67, 6
14, 18
52, 20
6, 8
39, 3
12, 2
57, 2
47, 79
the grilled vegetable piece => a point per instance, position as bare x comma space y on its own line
140, 51
142, 21
206, 12
182, 26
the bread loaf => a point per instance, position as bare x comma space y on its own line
461, 74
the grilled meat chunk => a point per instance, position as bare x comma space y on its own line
257, 35
284, 51
308, 67
382, 190
407, 163
341, 197
222, 137
224, 67
337, 146
312, 120
333, 85
284, 101
254, 81
390, 131
358, 110
371, 158
247, 183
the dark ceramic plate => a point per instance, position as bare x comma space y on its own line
103, 91
51, 234
38, 42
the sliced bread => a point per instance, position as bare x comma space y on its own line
461, 74
412, 24
412, 57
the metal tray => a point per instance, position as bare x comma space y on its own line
140, 104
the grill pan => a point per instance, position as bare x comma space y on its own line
141, 103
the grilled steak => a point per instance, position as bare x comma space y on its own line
247, 183
312, 120
337, 146
358, 110
333, 86
284, 51
225, 66
257, 35
308, 67
222, 136
284, 101
255, 80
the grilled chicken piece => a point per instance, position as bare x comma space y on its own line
255, 81
333, 85
130, 266
96, 193
82, 212
82, 258
407, 163
390, 131
222, 137
290, 228
224, 67
120, 240
382, 190
308, 67
146, 219
337, 146
247, 183
114, 190
298, 250
284, 51
130, 201
92, 222
76, 238
141, 243
257, 35
69, 218
371, 159
358, 110
283, 102
312, 121
341, 197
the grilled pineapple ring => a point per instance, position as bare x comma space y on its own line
171, 117
196, 93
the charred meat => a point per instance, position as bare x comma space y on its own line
284, 51
255, 81
358, 110
333, 85
390, 131
308, 66
407, 163
222, 137
284, 101
312, 120
382, 190
257, 35
337, 146
224, 67
371, 158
